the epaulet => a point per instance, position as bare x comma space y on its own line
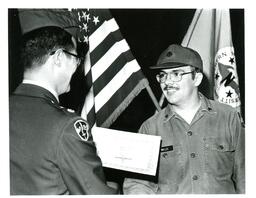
65, 110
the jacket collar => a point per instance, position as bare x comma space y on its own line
32, 90
41, 84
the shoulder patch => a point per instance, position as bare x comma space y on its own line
82, 129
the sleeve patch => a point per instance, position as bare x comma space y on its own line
82, 129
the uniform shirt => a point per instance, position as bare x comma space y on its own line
51, 149
206, 156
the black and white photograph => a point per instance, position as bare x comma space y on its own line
127, 101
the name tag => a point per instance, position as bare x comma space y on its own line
167, 148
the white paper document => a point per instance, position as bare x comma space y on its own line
127, 151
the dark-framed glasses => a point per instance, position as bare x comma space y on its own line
175, 76
78, 58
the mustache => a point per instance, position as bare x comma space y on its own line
171, 87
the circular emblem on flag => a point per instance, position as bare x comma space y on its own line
82, 129
225, 78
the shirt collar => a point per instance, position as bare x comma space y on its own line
205, 106
205, 103
169, 113
41, 84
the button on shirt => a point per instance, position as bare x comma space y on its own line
207, 155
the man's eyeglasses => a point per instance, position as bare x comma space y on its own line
175, 76
78, 59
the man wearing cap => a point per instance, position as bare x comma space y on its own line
202, 148
51, 149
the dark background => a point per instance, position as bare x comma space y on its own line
148, 32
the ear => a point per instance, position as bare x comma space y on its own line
57, 57
198, 78
157, 78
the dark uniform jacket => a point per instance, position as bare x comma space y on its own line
204, 157
51, 149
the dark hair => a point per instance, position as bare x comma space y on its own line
39, 43
196, 70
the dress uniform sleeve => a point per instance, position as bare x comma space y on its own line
139, 186
239, 166
79, 164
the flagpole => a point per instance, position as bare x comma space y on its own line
153, 98
161, 101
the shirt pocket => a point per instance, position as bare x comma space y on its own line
171, 152
171, 167
219, 156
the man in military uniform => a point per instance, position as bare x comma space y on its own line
202, 147
51, 149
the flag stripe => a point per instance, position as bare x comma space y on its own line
115, 84
111, 105
88, 111
104, 46
108, 58
102, 32
112, 70
87, 64
89, 102
88, 80
91, 117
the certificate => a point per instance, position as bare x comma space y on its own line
127, 151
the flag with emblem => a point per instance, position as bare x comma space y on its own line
210, 34
113, 75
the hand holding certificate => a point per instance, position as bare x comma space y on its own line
127, 151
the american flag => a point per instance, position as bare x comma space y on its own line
112, 74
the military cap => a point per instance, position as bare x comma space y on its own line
31, 19
178, 56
